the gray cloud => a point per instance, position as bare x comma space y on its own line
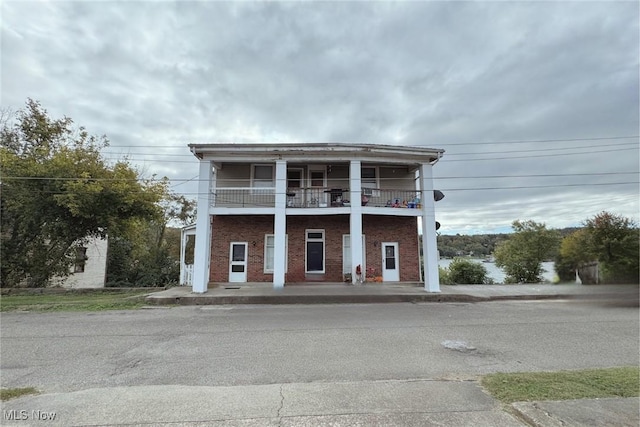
154, 76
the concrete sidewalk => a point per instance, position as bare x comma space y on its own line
252, 293
388, 403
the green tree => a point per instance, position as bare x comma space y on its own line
57, 190
522, 254
147, 252
572, 254
610, 239
465, 271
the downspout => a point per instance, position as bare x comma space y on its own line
437, 159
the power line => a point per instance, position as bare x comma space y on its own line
447, 154
538, 149
444, 159
548, 175
185, 180
603, 138
520, 187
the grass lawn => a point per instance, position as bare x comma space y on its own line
564, 385
12, 393
73, 302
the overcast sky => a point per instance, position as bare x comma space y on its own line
535, 103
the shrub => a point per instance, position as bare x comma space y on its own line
444, 276
464, 271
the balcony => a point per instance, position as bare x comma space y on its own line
315, 197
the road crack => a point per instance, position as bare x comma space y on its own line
281, 404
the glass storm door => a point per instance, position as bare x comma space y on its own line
390, 264
238, 262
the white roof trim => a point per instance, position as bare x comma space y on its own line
224, 151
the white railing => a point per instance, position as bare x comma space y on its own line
187, 275
243, 197
313, 197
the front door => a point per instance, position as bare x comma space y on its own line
238, 262
390, 264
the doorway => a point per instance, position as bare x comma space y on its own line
390, 262
238, 262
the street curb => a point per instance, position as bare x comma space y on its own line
534, 416
338, 299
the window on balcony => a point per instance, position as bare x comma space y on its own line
369, 181
263, 176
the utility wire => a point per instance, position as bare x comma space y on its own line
444, 159
414, 191
185, 180
603, 138
543, 149
278, 143
448, 154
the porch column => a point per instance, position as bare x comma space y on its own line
280, 225
183, 247
355, 231
429, 245
202, 250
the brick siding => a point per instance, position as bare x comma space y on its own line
252, 229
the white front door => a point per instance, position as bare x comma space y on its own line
390, 262
238, 262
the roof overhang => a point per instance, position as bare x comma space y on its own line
309, 152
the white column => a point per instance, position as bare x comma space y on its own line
429, 244
355, 231
280, 225
183, 246
202, 250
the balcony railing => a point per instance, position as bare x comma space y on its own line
244, 197
314, 197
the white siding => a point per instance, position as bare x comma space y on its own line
95, 268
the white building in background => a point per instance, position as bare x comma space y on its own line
90, 268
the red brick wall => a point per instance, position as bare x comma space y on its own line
252, 228
239, 228
401, 229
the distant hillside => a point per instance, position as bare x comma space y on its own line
477, 245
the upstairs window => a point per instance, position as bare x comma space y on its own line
263, 176
369, 180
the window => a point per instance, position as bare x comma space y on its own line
263, 176
369, 181
346, 253
269, 252
314, 254
81, 259
294, 178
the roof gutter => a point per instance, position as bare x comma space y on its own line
437, 159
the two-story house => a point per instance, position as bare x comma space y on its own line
314, 212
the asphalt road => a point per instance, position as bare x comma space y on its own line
217, 346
